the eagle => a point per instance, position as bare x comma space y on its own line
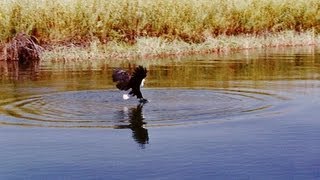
125, 81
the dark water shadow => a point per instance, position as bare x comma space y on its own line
14, 70
136, 122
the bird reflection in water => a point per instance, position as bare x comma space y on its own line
135, 115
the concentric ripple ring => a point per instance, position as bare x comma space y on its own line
107, 109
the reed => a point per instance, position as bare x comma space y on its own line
125, 20
154, 47
130, 24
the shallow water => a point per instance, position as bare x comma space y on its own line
246, 115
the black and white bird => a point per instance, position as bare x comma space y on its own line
125, 81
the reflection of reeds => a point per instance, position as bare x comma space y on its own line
282, 64
13, 70
216, 70
9, 69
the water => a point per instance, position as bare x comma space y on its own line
246, 115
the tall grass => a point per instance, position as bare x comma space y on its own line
191, 21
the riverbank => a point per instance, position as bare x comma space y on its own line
95, 29
152, 47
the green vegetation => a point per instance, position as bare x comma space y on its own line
126, 28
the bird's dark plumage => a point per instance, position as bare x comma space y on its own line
122, 77
125, 81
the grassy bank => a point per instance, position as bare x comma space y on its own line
141, 27
147, 47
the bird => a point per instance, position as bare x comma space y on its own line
134, 81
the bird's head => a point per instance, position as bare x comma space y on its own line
142, 82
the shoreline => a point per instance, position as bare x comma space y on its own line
153, 47
122, 29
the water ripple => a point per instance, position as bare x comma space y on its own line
106, 109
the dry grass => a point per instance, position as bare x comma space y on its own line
136, 28
127, 20
151, 47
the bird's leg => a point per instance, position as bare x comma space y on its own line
142, 100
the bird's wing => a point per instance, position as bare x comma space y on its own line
122, 77
136, 92
138, 75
